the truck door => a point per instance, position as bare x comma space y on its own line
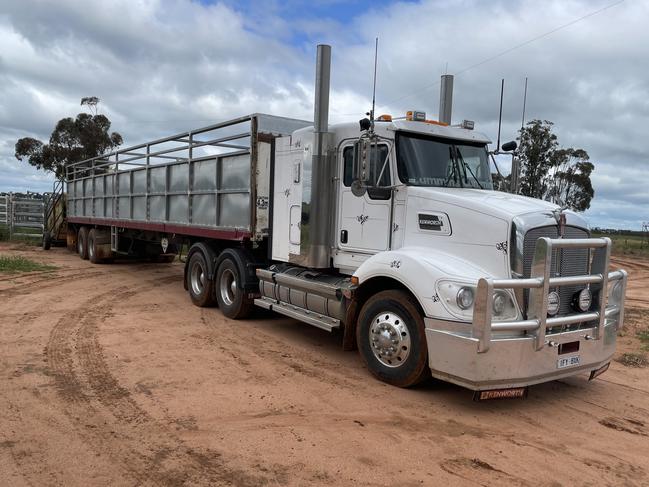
364, 221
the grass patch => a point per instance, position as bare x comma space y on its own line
643, 336
633, 359
14, 263
627, 244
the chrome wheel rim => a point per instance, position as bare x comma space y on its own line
91, 251
228, 287
197, 278
79, 246
389, 339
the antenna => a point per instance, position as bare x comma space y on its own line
500, 116
376, 52
524, 102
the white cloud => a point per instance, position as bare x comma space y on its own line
169, 65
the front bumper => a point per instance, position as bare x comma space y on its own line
511, 362
488, 354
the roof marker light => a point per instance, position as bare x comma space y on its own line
415, 116
468, 124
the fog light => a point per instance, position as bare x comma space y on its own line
584, 300
553, 303
465, 298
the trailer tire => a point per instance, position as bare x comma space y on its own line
232, 297
199, 285
392, 340
94, 254
82, 243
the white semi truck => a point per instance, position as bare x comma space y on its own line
390, 232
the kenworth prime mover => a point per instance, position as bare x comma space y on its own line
390, 232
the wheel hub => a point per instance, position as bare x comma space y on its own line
197, 276
390, 339
228, 287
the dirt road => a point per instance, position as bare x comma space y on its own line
109, 376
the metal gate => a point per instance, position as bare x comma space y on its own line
23, 215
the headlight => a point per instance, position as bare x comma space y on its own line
464, 298
500, 303
459, 300
457, 297
503, 307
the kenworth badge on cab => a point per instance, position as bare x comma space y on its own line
390, 232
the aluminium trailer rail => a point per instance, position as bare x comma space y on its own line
211, 182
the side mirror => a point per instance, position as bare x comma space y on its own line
361, 166
509, 146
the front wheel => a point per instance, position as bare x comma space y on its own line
232, 298
392, 340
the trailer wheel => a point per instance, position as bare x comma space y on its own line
82, 243
232, 298
201, 288
391, 339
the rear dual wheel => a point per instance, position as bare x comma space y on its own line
233, 300
224, 289
200, 286
82, 243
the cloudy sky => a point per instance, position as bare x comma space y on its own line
165, 66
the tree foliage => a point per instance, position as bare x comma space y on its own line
550, 172
73, 140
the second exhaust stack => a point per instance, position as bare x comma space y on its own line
446, 98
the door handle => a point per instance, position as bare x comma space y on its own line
343, 236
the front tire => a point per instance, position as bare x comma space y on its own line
392, 340
200, 287
232, 298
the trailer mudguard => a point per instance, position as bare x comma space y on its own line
247, 265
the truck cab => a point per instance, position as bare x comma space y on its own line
489, 290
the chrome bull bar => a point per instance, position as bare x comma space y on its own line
540, 284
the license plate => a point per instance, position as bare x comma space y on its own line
564, 362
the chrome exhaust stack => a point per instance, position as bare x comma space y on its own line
446, 99
317, 190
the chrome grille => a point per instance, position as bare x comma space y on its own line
566, 262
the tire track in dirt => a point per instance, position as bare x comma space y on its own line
296, 361
55, 278
356, 383
145, 450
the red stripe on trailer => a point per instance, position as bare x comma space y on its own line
165, 228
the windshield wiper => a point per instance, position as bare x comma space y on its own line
455, 168
465, 166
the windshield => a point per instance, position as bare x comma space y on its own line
427, 161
